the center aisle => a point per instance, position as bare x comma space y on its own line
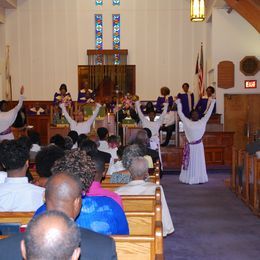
210, 222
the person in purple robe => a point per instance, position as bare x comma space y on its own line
63, 96
187, 100
86, 95
205, 101
165, 98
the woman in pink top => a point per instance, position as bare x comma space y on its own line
95, 188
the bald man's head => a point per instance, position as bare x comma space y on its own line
139, 168
63, 193
51, 235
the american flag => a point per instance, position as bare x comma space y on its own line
200, 72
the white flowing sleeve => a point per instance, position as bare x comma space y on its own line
139, 111
66, 114
183, 118
8, 118
95, 113
205, 118
165, 108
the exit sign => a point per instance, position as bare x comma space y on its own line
250, 83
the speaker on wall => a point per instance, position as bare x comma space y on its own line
249, 65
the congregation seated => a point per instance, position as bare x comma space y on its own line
139, 172
95, 188
52, 235
44, 161
74, 137
63, 193
35, 140
98, 213
118, 165
58, 140
113, 144
16, 193
90, 147
102, 133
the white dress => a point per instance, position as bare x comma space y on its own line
194, 130
80, 127
8, 118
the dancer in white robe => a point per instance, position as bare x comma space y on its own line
8, 118
81, 127
193, 165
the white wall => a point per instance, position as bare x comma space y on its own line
49, 38
233, 38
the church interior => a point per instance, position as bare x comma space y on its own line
115, 52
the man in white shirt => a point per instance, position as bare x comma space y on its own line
102, 133
8, 118
16, 194
139, 172
81, 127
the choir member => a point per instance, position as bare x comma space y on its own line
165, 98
63, 96
193, 164
86, 95
187, 100
204, 103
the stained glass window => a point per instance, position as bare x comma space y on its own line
99, 2
99, 37
116, 2
116, 36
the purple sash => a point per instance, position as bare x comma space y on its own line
7, 131
186, 154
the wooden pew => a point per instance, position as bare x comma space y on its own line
141, 247
254, 191
16, 217
143, 223
145, 203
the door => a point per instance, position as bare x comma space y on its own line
242, 116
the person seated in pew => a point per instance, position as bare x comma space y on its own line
74, 136
143, 141
113, 144
7, 118
139, 172
118, 165
168, 124
98, 213
36, 143
95, 188
81, 138
90, 147
102, 133
58, 140
63, 97
44, 161
16, 194
187, 100
68, 143
79, 125
63, 193
204, 103
52, 235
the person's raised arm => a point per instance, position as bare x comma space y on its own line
165, 109
209, 112
179, 109
139, 111
95, 113
66, 114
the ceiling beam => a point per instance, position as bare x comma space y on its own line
248, 9
8, 4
